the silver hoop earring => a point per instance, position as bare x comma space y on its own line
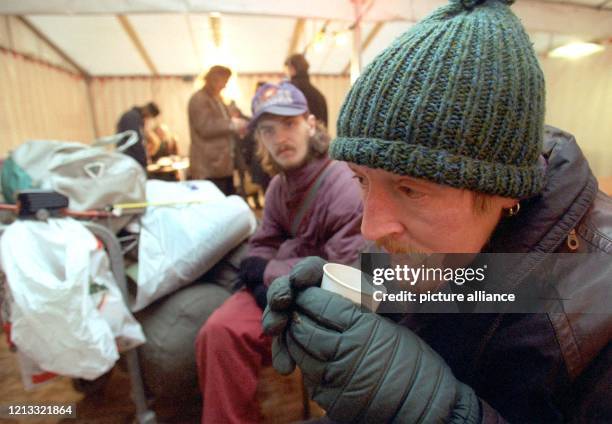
514, 210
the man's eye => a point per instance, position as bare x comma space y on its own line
410, 192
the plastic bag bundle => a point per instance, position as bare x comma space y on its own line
66, 309
180, 242
91, 177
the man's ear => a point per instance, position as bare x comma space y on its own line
312, 124
506, 202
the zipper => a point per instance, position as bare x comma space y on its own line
572, 240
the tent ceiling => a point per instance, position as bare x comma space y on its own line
322, 9
255, 34
182, 44
97, 43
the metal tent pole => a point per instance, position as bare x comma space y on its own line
355, 69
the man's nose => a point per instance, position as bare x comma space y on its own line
380, 215
282, 134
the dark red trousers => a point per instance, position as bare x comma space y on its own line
231, 349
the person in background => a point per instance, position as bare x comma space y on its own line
212, 131
239, 160
251, 161
161, 142
445, 133
138, 119
312, 208
296, 68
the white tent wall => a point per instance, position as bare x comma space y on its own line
41, 95
40, 102
579, 100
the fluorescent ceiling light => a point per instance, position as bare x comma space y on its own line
576, 50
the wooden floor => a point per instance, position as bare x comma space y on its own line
58, 390
111, 405
280, 398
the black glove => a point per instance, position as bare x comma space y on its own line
259, 293
306, 273
252, 271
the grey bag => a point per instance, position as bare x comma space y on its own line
91, 176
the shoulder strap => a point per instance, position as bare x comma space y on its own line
308, 199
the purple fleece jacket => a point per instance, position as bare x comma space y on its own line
330, 228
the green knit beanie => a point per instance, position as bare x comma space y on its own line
458, 100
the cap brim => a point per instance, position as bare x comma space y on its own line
279, 110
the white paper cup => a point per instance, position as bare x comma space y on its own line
346, 281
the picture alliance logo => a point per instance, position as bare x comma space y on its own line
414, 275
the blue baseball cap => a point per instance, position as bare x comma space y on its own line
283, 99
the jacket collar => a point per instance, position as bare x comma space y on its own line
208, 91
299, 179
544, 220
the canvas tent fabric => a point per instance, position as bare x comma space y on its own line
88, 86
179, 36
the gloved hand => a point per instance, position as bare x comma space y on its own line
259, 293
306, 273
358, 366
252, 270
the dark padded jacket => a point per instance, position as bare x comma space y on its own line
133, 120
316, 101
540, 368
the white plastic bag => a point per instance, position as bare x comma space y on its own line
110, 304
180, 243
32, 376
54, 319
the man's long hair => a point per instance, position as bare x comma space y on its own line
318, 145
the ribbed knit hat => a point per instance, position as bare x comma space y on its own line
458, 100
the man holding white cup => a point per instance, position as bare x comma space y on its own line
444, 131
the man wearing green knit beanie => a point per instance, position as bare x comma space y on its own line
445, 134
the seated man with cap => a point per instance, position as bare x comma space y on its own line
312, 207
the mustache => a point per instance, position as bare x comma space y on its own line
284, 148
393, 246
